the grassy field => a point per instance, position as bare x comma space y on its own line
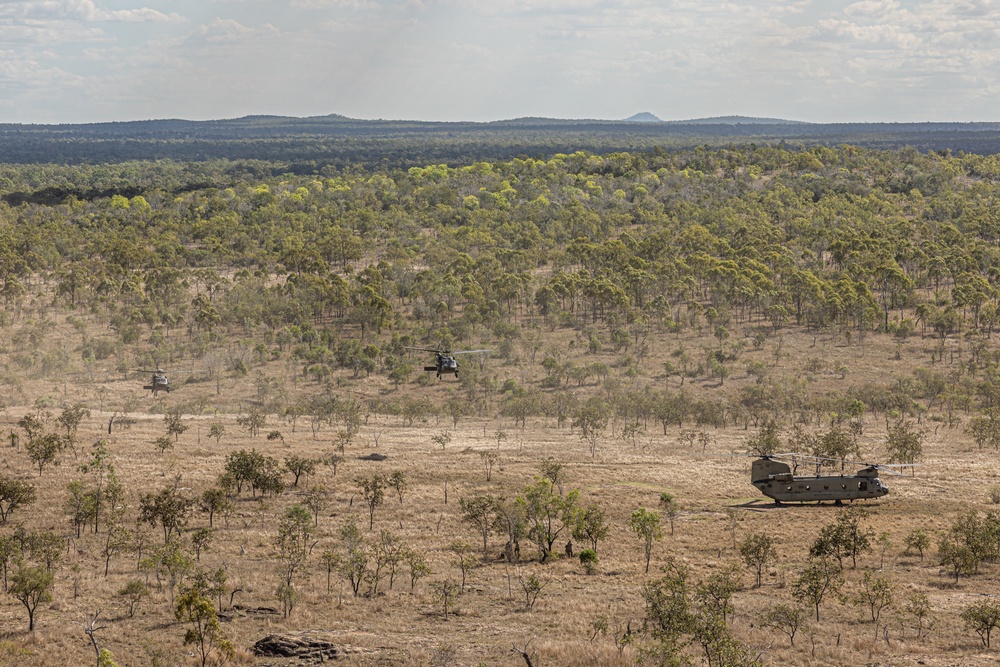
719, 509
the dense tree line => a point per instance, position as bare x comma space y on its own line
343, 270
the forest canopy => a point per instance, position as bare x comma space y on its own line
343, 268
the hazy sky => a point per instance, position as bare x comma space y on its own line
813, 60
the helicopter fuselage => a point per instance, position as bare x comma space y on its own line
158, 383
445, 364
775, 480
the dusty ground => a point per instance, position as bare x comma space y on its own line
400, 628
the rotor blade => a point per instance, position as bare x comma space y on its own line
803, 458
470, 352
423, 349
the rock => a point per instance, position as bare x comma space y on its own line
311, 645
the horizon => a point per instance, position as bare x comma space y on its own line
742, 119
870, 61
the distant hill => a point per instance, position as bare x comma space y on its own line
333, 141
643, 117
736, 120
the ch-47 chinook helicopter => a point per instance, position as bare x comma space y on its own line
445, 361
775, 478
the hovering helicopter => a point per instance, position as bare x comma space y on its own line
445, 361
775, 479
159, 381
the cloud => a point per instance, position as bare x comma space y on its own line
356, 5
441, 59
871, 8
221, 30
81, 10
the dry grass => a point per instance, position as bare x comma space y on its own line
403, 629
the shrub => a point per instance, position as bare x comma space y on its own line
589, 560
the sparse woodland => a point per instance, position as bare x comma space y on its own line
577, 496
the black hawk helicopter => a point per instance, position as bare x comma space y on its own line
774, 477
159, 381
445, 361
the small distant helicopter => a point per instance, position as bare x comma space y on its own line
773, 476
445, 362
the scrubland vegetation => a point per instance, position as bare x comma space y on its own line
572, 497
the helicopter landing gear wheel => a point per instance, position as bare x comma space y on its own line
777, 503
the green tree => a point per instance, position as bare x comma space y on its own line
592, 420
163, 443
876, 593
960, 558
44, 450
904, 443
99, 466
201, 540
765, 441
646, 526
131, 594
14, 494
758, 551
81, 505
919, 606
397, 482
298, 466
982, 617
117, 539
205, 632
32, 586
547, 512
215, 501
591, 526
669, 615
820, 577
71, 417
373, 491
417, 562
670, 508
845, 537
168, 508
919, 540
253, 421
481, 512
785, 618
175, 426
294, 533
354, 563
217, 430
836, 444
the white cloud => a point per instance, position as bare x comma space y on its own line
221, 30
82, 10
479, 59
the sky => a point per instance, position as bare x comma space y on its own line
71, 61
